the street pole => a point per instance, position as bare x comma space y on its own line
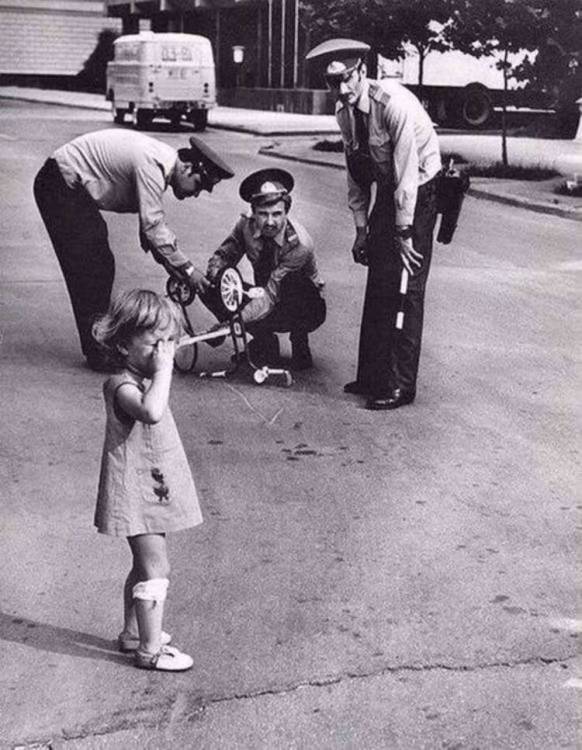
270, 47
217, 56
296, 45
283, 29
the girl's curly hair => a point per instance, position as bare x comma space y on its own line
131, 314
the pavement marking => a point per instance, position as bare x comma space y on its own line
563, 623
574, 682
573, 265
8, 137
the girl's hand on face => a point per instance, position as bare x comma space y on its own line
163, 355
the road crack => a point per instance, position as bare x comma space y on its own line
186, 707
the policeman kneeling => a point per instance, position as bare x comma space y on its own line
281, 254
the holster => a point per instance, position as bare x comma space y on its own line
451, 189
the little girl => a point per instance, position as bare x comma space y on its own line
145, 487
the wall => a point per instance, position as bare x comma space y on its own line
49, 37
303, 101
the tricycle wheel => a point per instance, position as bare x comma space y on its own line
230, 287
180, 291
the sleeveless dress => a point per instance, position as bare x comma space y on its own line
145, 483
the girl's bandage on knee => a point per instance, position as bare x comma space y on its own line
152, 590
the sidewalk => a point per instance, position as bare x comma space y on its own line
226, 118
565, 156
534, 195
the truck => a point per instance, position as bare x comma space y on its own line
460, 89
169, 75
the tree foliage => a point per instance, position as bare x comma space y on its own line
386, 25
550, 30
556, 71
93, 75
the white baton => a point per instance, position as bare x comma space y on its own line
402, 291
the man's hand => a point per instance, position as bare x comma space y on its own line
360, 249
197, 280
411, 258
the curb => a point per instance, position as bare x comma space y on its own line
265, 131
268, 151
105, 107
511, 200
475, 192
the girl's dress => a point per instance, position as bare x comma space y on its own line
145, 485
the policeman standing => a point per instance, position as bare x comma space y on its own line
389, 140
281, 254
125, 172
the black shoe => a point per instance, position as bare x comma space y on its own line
264, 350
356, 388
301, 358
398, 397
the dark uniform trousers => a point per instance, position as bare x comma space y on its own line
388, 358
79, 236
300, 309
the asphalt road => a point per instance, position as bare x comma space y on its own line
362, 580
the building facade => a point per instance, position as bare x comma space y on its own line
49, 39
259, 47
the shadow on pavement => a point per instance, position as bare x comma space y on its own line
58, 640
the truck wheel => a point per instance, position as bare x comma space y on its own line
476, 107
199, 119
142, 119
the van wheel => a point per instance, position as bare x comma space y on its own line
118, 116
142, 119
199, 119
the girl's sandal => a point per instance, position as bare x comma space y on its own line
168, 659
128, 643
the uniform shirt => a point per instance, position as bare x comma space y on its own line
402, 142
293, 253
125, 172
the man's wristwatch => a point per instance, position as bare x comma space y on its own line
404, 232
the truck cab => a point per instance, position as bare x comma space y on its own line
167, 75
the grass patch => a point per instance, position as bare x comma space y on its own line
497, 170
510, 172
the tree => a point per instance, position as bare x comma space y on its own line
483, 27
94, 73
556, 71
386, 25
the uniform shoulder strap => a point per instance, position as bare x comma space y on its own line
291, 234
378, 93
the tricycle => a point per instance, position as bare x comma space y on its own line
232, 293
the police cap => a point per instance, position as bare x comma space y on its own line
266, 186
200, 153
340, 56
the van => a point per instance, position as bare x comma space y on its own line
162, 75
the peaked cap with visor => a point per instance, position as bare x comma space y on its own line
266, 186
201, 155
340, 56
